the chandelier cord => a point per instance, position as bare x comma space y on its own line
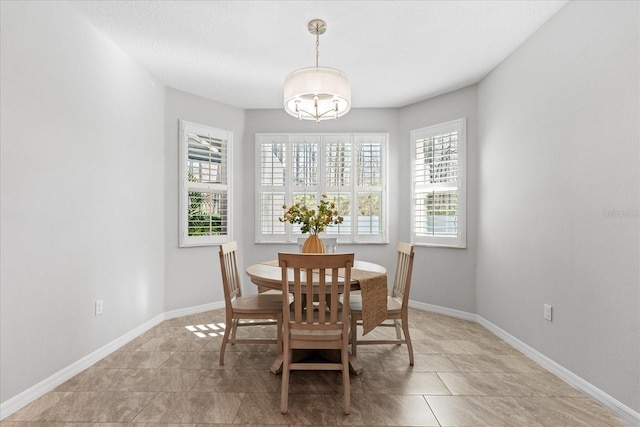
317, 43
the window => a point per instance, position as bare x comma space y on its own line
205, 185
349, 168
439, 180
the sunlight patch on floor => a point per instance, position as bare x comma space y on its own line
208, 330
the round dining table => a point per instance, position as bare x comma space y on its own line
365, 276
267, 274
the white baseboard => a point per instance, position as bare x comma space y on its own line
193, 310
32, 393
444, 310
627, 414
10, 406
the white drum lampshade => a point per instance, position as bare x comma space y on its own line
317, 93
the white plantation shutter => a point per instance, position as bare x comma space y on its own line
272, 180
338, 179
348, 168
439, 178
205, 185
370, 186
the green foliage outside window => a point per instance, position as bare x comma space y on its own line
201, 221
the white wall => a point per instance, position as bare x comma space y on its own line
559, 154
193, 274
444, 276
82, 209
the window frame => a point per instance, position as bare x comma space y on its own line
185, 185
289, 236
450, 241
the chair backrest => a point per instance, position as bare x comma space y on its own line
229, 269
330, 243
404, 269
326, 275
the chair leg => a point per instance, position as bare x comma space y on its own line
407, 338
234, 328
346, 383
284, 392
279, 333
225, 339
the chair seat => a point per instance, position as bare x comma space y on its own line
393, 304
256, 303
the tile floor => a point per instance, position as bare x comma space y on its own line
463, 376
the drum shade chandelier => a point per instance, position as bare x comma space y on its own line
317, 93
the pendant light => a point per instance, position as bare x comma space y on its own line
317, 93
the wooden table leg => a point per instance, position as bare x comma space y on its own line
354, 365
276, 367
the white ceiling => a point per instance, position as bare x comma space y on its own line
395, 52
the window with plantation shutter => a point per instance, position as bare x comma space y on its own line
348, 168
205, 189
439, 178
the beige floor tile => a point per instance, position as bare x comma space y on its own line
479, 411
570, 412
97, 407
59, 424
548, 385
303, 409
94, 379
384, 382
422, 363
388, 410
198, 360
168, 380
239, 381
191, 407
486, 384
134, 359
170, 377
486, 346
321, 382
31, 411
370, 361
181, 343
436, 346
494, 363
254, 360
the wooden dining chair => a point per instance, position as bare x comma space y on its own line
397, 305
265, 307
316, 323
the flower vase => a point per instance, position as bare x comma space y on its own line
313, 245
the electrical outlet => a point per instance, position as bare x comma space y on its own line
99, 307
547, 312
